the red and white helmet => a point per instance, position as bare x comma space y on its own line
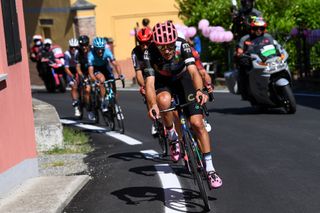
144, 35
164, 33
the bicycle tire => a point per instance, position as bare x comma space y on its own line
162, 139
96, 105
194, 169
108, 118
118, 118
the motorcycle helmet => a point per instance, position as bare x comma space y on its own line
247, 5
258, 23
83, 40
164, 33
73, 42
47, 41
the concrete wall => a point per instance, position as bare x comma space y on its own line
57, 10
17, 136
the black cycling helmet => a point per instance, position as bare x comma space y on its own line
247, 5
83, 40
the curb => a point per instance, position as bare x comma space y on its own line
43, 194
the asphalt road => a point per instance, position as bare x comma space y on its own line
269, 162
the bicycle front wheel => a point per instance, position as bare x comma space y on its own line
162, 139
118, 117
194, 170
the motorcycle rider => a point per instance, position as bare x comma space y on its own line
46, 55
243, 18
248, 44
35, 52
70, 57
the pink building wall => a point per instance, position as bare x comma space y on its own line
17, 135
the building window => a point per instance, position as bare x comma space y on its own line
46, 22
11, 30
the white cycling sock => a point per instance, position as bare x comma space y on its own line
208, 162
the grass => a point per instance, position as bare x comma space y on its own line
54, 164
75, 141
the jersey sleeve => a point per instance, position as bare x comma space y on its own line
135, 62
186, 53
67, 59
108, 54
148, 71
90, 59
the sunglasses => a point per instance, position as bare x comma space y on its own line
144, 43
169, 47
258, 28
99, 50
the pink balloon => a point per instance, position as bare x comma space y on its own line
191, 31
220, 29
228, 36
213, 36
132, 32
220, 37
203, 23
206, 32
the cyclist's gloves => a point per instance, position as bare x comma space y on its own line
121, 77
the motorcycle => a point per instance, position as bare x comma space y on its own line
269, 80
54, 76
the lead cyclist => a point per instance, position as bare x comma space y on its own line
171, 70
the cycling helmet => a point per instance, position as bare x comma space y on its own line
99, 42
73, 42
164, 33
37, 37
47, 41
83, 40
144, 35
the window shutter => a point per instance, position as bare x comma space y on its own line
11, 30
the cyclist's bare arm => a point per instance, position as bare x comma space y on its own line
69, 73
117, 67
140, 78
197, 83
91, 74
151, 96
195, 76
78, 67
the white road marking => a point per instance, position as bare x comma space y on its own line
173, 194
66, 121
90, 127
150, 154
124, 138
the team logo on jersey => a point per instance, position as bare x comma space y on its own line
146, 55
186, 47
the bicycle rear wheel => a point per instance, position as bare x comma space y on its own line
192, 160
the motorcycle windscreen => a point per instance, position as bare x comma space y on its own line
268, 51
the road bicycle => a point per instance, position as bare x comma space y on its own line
161, 134
113, 118
191, 151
